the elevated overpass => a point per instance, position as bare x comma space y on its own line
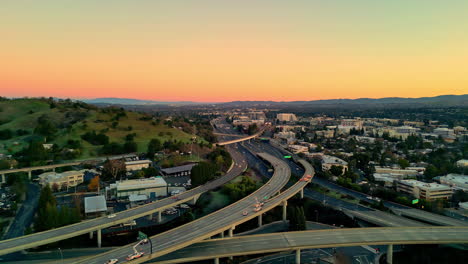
259, 133
288, 241
430, 218
225, 219
382, 218
58, 234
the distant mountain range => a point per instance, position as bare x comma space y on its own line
127, 101
442, 100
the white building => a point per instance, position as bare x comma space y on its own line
462, 163
423, 190
455, 181
288, 117
152, 187
404, 172
95, 205
62, 180
298, 149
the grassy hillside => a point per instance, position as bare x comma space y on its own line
72, 120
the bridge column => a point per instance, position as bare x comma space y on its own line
285, 207
298, 256
150, 217
99, 238
159, 217
91, 235
53, 169
29, 174
260, 220
3, 178
221, 234
390, 254
216, 261
302, 193
231, 231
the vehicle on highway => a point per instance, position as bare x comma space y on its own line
256, 209
111, 216
131, 223
245, 213
144, 241
184, 206
111, 261
135, 255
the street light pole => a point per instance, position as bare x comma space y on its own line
61, 255
151, 246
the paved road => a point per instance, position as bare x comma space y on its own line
431, 218
25, 214
46, 237
342, 237
207, 226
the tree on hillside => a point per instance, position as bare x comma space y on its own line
114, 169
45, 127
297, 220
153, 146
403, 163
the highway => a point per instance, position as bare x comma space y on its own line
205, 227
427, 217
343, 237
46, 237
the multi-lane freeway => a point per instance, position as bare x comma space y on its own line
205, 227
46, 237
267, 243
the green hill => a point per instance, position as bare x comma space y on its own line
25, 120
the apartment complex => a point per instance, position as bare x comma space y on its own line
62, 180
288, 117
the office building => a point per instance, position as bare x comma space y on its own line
423, 190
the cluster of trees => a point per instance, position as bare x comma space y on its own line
221, 158
237, 191
49, 216
297, 219
115, 148
114, 169
252, 129
202, 173
45, 127
147, 172
95, 139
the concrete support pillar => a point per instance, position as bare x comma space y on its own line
91, 235
260, 220
298, 256
3, 178
29, 174
159, 217
53, 169
216, 261
221, 234
99, 238
302, 193
285, 207
390, 254
150, 217
231, 231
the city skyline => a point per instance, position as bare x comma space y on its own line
211, 51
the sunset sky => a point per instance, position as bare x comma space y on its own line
212, 51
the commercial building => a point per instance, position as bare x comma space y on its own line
151, 187
184, 170
408, 172
456, 181
137, 164
329, 161
423, 190
95, 205
62, 180
288, 117
351, 123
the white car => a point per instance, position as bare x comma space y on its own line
184, 206
111, 216
112, 261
